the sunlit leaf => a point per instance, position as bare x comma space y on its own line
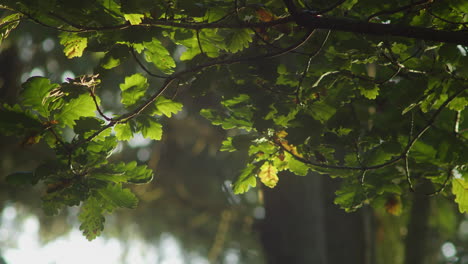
246, 180
165, 106
74, 45
116, 196
134, 19
83, 106
91, 218
268, 175
460, 190
156, 53
36, 93
133, 89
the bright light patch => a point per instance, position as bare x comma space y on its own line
259, 212
449, 250
144, 154
66, 75
462, 50
36, 72
8, 213
232, 257
172, 254
118, 148
463, 229
139, 141
48, 44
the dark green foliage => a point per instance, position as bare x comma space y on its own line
373, 108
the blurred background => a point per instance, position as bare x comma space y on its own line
188, 214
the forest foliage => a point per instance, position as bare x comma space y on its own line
374, 93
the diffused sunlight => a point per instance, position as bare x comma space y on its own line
20, 243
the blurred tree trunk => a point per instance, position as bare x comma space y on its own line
416, 240
303, 225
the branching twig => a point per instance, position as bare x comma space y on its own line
143, 66
445, 20
306, 70
444, 184
403, 155
407, 173
93, 95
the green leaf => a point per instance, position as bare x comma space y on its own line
165, 106
124, 172
13, 121
36, 94
268, 175
350, 196
370, 92
123, 131
133, 89
115, 56
87, 124
321, 111
91, 218
134, 19
150, 128
74, 45
227, 145
116, 196
246, 180
239, 39
295, 166
460, 190
7, 24
156, 53
458, 104
83, 106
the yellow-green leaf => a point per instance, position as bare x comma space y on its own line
268, 175
79, 107
134, 19
460, 190
74, 45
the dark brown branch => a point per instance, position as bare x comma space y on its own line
399, 9
349, 25
177, 24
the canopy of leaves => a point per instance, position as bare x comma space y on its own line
377, 96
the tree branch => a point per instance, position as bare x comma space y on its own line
312, 21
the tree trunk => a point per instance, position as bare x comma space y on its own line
416, 240
302, 225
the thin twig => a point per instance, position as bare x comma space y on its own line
445, 20
132, 50
306, 70
199, 43
93, 95
403, 155
444, 184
